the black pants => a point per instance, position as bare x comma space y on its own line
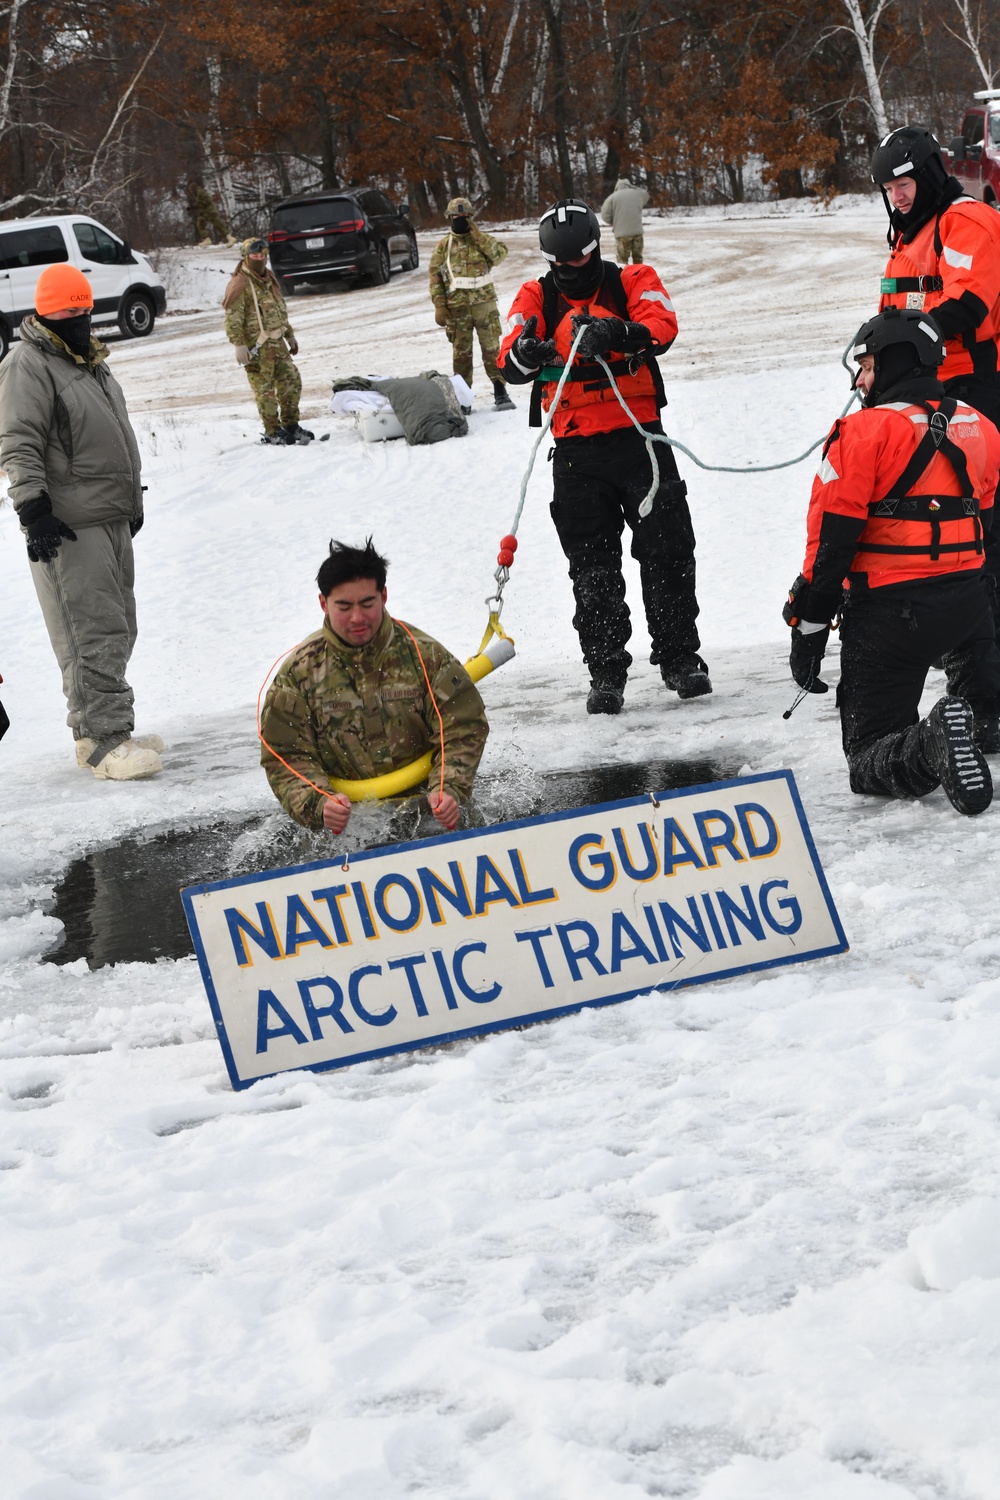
598, 484
890, 637
983, 395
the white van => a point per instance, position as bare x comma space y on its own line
126, 288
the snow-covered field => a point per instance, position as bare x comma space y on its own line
740, 1242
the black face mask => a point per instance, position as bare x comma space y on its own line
578, 282
460, 225
74, 332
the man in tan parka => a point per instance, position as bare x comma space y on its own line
257, 326
352, 702
74, 469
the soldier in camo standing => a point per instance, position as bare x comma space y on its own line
464, 297
257, 326
352, 702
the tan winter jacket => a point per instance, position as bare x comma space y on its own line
64, 428
623, 209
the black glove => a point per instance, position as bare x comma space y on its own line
601, 335
45, 532
533, 352
135, 525
806, 658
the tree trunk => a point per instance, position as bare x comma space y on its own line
552, 10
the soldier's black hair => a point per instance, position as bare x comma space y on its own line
345, 563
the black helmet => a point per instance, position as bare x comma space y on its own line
904, 344
568, 231
909, 152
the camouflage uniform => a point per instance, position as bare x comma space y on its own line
204, 214
361, 711
473, 256
274, 378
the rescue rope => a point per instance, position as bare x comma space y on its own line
502, 574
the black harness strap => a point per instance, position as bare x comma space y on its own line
892, 284
590, 373
898, 502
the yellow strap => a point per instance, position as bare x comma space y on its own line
493, 627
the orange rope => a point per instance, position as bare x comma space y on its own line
327, 793
430, 690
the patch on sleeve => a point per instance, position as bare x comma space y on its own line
826, 472
957, 259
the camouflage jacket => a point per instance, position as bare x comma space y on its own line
354, 712
470, 255
242, 325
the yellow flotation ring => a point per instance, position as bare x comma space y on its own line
396, 783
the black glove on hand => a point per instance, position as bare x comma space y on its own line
534, 352
601, 335
806, 658
45, 533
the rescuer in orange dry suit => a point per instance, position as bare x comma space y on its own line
895, 543
600, 470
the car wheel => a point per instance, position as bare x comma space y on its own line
413, 259
136, 315
383, 265
990, 200
4, 339
286, 288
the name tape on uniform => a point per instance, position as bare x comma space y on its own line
328, 964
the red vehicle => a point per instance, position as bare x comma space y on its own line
975, 154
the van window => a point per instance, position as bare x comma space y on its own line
323, 214
97, 245
40, 246
995, 130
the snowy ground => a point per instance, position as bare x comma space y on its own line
740, 1243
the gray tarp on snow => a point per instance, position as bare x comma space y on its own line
426, 404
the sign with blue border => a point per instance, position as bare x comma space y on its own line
336, 962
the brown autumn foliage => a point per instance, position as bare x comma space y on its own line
113, 106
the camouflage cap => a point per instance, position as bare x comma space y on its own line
458, 208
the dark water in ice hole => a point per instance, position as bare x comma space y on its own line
121, 904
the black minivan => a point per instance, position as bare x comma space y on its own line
340, 234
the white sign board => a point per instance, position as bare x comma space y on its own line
335, 962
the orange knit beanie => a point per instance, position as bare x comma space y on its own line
61, 287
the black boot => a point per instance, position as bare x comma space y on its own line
501, 400
296, 434
688, 677
279, 438
606, 696
948, 748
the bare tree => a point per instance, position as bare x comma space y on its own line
973, 35
863, 28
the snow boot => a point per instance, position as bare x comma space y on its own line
501, 400
687, 677
85, 748
128, 761
607, 696
279, 438
950, 752
296, 434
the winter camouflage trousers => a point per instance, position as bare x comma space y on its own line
630, 245
484, 318
88, 605
275, 383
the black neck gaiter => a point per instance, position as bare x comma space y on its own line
74, 332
